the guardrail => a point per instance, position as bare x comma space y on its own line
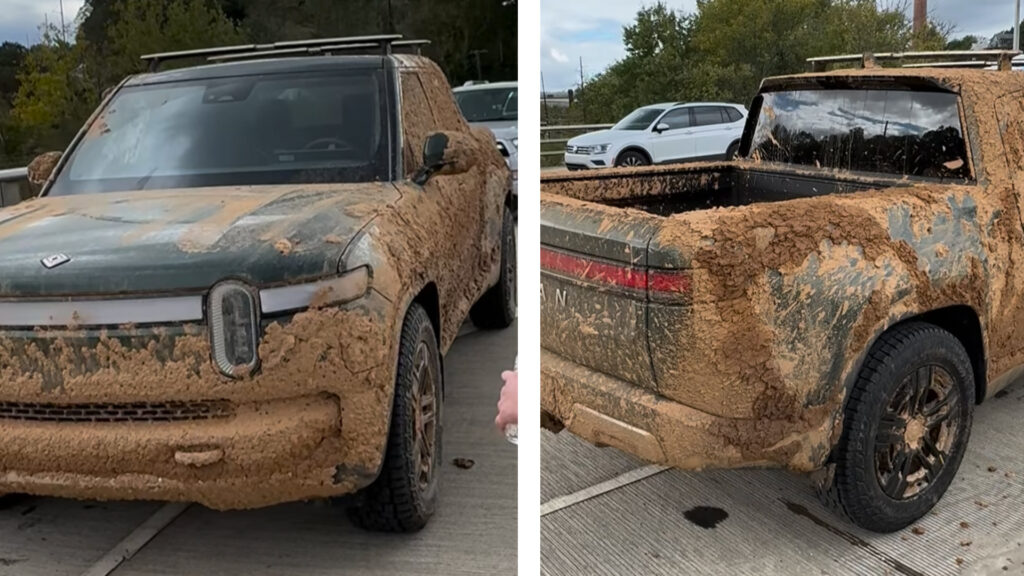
579, 128
14, 186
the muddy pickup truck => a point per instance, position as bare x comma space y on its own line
240, 280
835, 301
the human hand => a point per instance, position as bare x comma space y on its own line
508, 402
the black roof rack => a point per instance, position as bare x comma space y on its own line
384, 42
417, 45
938, 59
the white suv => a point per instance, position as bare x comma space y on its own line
495, 106
662, 133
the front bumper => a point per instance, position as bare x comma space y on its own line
588, 162
265, 453
607, 411
313, 422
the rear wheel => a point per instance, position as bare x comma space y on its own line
730, 153
632, 158
403, 497
906, 427
497, 308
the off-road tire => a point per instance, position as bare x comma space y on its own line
855, 489
397, 501
497, 308
632, 158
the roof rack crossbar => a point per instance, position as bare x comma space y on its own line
868, 59
315, 50
383, 41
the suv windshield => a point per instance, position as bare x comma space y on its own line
277, 129
489, 105
639, 119
882, 131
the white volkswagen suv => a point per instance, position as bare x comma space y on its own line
662, 133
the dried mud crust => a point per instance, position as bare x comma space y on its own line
788, 296
347, 354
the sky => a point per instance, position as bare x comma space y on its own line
20, 19
590, 29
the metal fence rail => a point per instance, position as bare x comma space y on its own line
14, 186
569, 131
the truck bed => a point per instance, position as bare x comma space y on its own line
675, 190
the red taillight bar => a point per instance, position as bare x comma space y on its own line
622, 276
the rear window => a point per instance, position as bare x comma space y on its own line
877, 131
734, 114
279, 129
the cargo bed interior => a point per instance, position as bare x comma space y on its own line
673, 193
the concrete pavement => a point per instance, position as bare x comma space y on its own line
611, 514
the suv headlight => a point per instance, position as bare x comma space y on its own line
234, 332
599, 149
345, 288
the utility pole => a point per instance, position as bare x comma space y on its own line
479, 69
544, 98
63, 27
920, 15
583, 101
1016, 27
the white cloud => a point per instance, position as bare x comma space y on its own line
559, 57
574, 29
20, 19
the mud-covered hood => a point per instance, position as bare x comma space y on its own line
182, 240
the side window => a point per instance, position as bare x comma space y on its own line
707, 116
417, 121
733, 114
678, 118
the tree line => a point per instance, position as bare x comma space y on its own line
722, 50
49, 89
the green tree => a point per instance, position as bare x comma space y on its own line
724, 49
963, 43
139, 27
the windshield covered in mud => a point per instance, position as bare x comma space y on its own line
491, 105
879, 131
276, 129
639, 119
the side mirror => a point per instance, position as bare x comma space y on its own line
661, 127
41, 168
445, 153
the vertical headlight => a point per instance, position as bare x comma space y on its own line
234, 329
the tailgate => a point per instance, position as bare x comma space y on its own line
595, 285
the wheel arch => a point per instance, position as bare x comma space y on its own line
961, 320
634, 148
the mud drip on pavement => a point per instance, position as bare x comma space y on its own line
706, 517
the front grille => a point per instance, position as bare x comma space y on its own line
101, 412
570, 149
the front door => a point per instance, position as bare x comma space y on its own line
676, 142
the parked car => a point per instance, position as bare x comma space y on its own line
834, 302
495, 107
239, 281
662, 134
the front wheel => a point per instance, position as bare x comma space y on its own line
403, 497
497, 308
906, 426
632, 158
